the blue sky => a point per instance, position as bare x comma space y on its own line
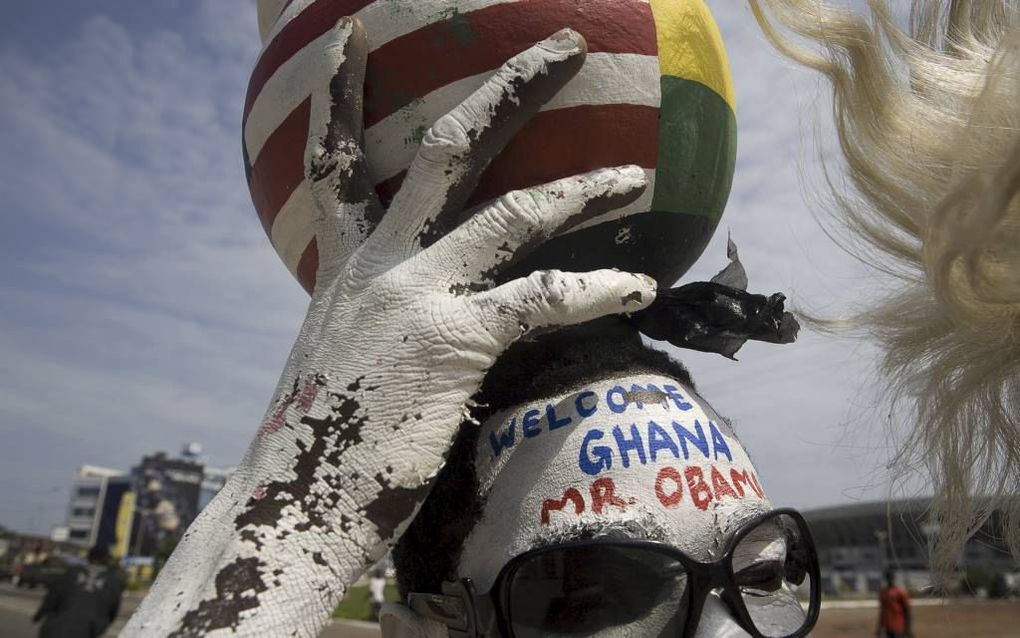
141, 305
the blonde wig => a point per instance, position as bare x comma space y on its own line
927, 111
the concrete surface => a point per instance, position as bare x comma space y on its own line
18, 605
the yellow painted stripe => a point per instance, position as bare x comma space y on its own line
691, 47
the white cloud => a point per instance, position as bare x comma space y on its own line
140, 302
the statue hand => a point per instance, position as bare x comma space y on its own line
403, 324
404, 321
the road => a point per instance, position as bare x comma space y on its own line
961, 618
933, 619
18, 605
16, 609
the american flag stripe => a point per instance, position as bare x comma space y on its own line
303, 264
280, 84
518, 166
569, 149
269, 15
277, 173
277, 106
293, 229
286, 5
308, 266
389, 19
496, 34
318, 18
384, 20
395, 149
306, 21
287, 90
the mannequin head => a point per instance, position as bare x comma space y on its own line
626, 449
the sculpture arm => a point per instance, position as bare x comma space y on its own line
402, 326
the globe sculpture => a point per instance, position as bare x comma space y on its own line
655, 91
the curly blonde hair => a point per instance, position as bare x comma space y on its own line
927, 108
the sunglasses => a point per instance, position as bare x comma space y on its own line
768, 578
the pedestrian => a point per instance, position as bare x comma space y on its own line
377, 585
84, 602
894, 609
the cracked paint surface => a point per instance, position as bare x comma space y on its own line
402, 326
607, 456
237, 588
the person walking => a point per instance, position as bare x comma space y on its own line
894, 609
377, 585
84, 602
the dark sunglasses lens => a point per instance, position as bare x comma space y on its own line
603, 590
772, 567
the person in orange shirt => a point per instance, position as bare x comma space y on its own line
894, 609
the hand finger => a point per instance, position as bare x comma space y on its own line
554, 298
505, 231
335, 165
459, 146
337, 98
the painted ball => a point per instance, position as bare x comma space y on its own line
655, 91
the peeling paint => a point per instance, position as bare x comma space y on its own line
238, 586
394, 506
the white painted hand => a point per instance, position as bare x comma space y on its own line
403, 324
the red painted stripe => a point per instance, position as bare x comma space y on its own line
565, 142
561, 143
308, 266
280, 167
420, 62
554, 145
315, 20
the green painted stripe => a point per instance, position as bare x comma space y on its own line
697, 149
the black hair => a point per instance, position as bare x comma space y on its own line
428, 552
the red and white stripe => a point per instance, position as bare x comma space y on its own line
277, 108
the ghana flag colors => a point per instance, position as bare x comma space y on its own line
655, 91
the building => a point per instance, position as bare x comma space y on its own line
97, 494
167, 494
141, 513
856, 543
213, 478
213, 481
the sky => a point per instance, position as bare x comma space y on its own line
142, 307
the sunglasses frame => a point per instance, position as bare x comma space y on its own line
468, 614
